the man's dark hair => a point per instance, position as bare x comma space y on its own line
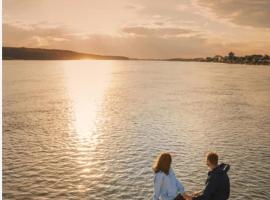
212, 158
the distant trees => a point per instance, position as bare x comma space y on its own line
248, 59
231, 56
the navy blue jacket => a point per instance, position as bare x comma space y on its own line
217, 184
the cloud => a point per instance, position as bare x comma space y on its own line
255, 13
157, 31
133, 41
33, 35
130, 43
133, 7
148, 47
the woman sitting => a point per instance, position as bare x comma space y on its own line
166, 185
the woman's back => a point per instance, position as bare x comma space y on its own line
167, 187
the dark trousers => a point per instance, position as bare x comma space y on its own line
179, 197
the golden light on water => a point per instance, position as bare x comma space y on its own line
86, 99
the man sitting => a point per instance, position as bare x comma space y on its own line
217, 184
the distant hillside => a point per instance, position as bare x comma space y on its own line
22, 53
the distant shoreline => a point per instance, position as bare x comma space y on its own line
23, 53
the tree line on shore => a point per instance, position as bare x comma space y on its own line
15, 53
255, 59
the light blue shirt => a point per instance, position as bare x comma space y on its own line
167, 187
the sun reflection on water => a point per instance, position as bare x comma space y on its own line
87, 82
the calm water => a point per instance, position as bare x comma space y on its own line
91, 129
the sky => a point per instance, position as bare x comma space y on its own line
140, 28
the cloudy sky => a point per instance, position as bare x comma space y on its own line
140, 28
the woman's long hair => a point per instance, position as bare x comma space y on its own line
163, 163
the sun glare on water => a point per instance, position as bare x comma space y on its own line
87, 82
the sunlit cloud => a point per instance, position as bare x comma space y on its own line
157, 31
242, 12
33, 35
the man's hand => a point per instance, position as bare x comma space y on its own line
198, 193
187, 197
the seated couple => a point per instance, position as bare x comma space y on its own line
168, 187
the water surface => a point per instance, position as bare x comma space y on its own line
91, 129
